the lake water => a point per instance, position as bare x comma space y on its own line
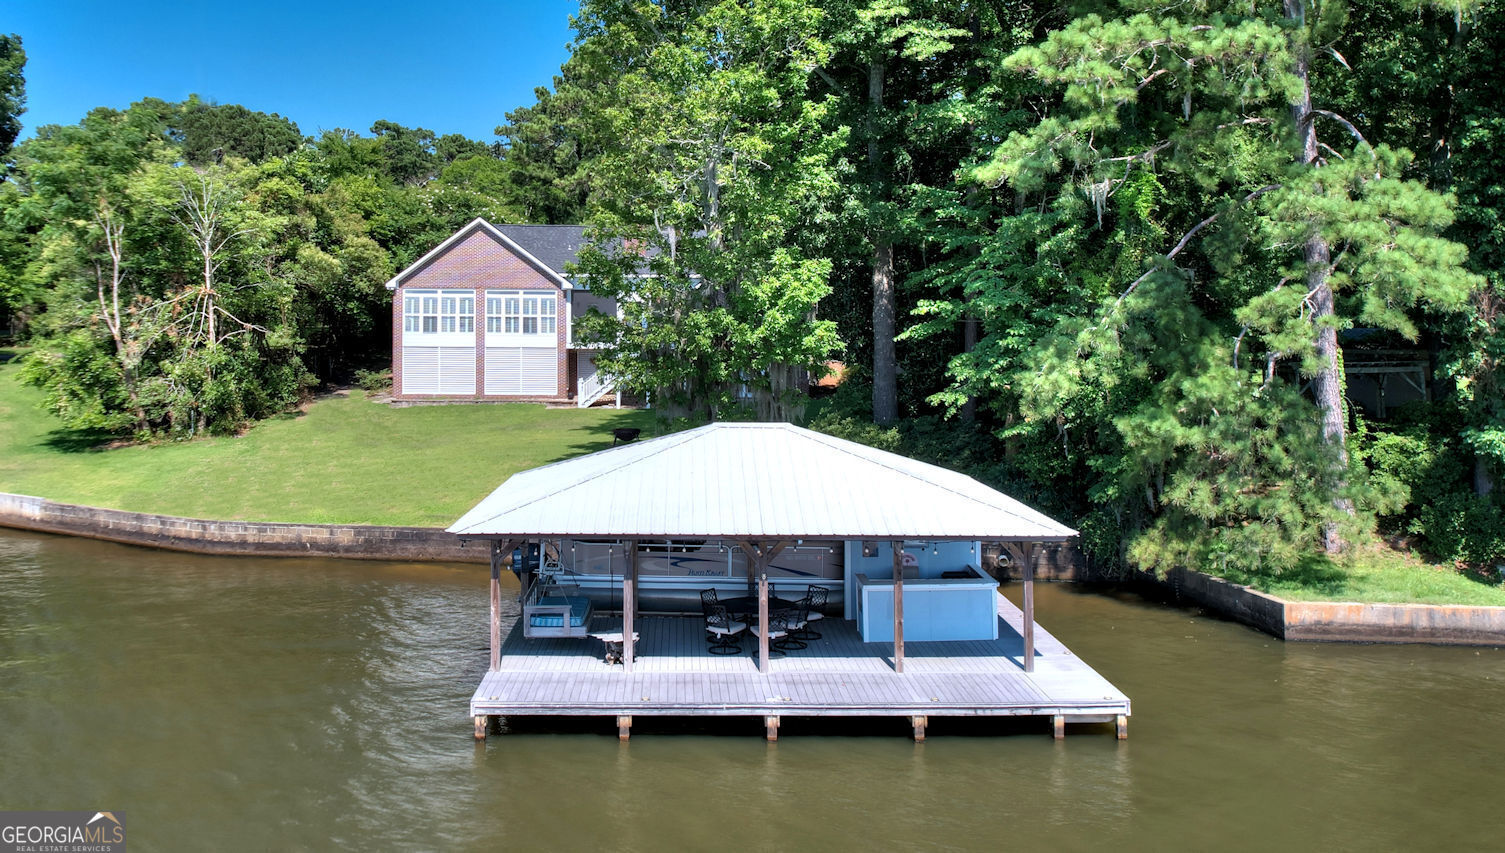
248, 704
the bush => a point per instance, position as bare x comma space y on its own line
1462, 528
860, 431
374, 381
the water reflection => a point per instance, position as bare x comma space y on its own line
256, 704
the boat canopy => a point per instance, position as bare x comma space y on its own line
754, 481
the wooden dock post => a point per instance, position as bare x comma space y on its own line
772, 725
1024, 554
1029, 608
629, 608
763, 651
759, 555
897, 547
496, 611
480, 726
1121, 725
1058, 726
919, 728
624, 728
501, 552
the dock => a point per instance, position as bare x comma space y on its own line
837, 675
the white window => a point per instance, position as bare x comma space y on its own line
512, 311
493, 313
520, 313
410, 312
433, 311
457, 313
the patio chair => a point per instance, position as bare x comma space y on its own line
721, 630
781, 627
813, 606
708, 599
797, 624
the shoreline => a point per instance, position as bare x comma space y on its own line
1333, 621
1298, 621
236, 538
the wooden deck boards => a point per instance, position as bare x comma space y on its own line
838, 675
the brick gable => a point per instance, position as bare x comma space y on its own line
479, 261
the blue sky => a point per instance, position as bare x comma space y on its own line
452, 67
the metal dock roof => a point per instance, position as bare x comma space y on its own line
754, 480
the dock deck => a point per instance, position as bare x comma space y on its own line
838, 675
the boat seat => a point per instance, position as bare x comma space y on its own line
553, 610
579, 609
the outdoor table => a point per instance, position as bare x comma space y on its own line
612, 640
747, 606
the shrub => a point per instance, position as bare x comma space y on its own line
374, 381
860, 431
1463, 528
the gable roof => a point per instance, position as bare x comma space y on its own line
552, 244
752, 480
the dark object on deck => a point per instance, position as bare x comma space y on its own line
813, 606
721, 630
623, 435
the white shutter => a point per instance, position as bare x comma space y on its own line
457, 370
420, 370
501, 370
522, 370
540, 371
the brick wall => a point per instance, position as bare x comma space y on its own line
479, 262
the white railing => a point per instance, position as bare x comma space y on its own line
591, 389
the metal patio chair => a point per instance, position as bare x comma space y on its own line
721, 631
813, 606
778, 633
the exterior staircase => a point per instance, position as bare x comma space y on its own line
592, 388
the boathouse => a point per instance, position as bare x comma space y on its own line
914, 627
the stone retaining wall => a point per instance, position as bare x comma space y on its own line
1340, 621
237, 538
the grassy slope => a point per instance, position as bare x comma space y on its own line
351, 461
346, 461
1380, 575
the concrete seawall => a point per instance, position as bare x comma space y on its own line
1312, 621
236, 538
1340, 621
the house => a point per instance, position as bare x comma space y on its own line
749, 517
488, 316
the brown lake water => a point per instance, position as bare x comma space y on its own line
248, 704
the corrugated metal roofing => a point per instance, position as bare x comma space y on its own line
765, 481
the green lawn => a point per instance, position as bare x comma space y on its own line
1380, 575
347, 460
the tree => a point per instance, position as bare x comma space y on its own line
876, 43
1201, 129
77, 184
716, 159
213, 131
1444, 108
544, 149
12, 91
407, 153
